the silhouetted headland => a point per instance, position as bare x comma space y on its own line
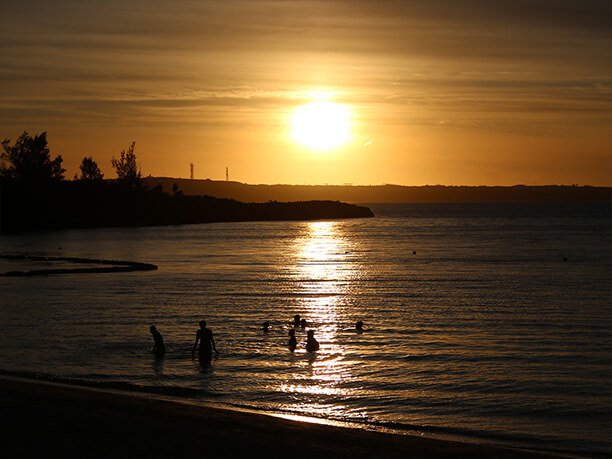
34, 206
383, 193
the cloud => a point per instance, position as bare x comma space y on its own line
104, 58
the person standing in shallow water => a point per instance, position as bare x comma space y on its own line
292, 340
207, 343
312, 345
158, 349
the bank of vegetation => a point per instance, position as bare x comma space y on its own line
35, 196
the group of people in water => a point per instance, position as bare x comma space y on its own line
312, 345
206, 342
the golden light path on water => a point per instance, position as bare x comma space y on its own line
325, 272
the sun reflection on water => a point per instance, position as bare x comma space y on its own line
324, 271
325, 268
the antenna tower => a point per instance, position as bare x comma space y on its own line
191, 170
227, 174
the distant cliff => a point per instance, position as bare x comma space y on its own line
383, 193
80, 204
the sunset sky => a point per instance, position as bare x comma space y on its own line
471, 92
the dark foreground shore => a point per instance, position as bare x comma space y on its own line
42, 419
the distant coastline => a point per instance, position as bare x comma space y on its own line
32, 206
383, 193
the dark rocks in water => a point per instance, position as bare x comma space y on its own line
114, 266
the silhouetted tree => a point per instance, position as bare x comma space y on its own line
30, 158
90, 170
176, 191
126, 167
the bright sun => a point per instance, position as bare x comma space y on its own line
321, 124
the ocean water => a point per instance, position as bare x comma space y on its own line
489, 321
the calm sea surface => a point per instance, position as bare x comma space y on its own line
487, 320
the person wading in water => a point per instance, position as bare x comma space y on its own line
158, 349
207, 344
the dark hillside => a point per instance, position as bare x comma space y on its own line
27, 206
383, 193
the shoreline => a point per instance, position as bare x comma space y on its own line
188, 396
68, 420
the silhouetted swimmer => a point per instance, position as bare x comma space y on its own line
359, 326
312, 345
303, 323
158, 348
296, 320
266, 327
292, 340
207, 344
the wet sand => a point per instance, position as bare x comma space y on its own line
42, 419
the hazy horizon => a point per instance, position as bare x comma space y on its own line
381, 184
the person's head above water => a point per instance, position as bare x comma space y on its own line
202, 324
266, 326
359, 325
292, 332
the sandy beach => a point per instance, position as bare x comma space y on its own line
42, 419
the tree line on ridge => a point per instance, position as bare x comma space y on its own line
34, 196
